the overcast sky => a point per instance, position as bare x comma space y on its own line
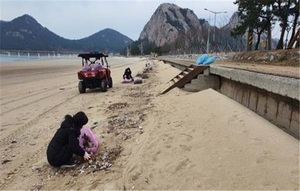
76, 19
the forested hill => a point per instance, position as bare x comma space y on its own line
25, 33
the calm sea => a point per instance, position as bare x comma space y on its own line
4, 58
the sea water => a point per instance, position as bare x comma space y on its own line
5, 58
13, 58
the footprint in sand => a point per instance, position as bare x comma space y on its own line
295, 172
154, 158
257, 141
168, 139
183, 164
186, 148
187, 136
265, 158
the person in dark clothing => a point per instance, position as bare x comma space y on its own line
65, 141
127, 74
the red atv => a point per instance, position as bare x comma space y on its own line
95, 72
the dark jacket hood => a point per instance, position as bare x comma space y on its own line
68, 122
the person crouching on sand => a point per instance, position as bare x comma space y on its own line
65, 141
127, 75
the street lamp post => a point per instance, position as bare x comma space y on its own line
207, 43
214, 12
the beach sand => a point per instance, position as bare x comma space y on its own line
175, 141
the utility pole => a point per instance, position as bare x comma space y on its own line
142, 48
214, 12
207, 44
269, 41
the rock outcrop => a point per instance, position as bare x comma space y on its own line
233, 22
167, 22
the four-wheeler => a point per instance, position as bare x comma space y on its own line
95, 72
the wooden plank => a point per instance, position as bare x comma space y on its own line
190, 69
187, 78
175, 80
181, 76
185, 73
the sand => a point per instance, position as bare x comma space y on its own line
175, 141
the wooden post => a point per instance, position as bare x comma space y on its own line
250, 39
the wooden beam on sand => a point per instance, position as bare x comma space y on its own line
186, 76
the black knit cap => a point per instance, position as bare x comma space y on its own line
80, 119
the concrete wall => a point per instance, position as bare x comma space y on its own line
275, 98
280, 110
203, 82
287, 87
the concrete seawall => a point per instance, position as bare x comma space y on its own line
284, 86
273, 97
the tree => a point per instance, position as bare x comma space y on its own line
254, 17
259, 14
295, 11
281, 9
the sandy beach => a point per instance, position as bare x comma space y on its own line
175, 141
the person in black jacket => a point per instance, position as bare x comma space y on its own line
65, 142
127, 74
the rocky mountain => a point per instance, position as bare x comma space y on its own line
172, 29
167, 23
233, 22
25, 33
226, 41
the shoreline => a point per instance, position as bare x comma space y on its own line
24, 58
